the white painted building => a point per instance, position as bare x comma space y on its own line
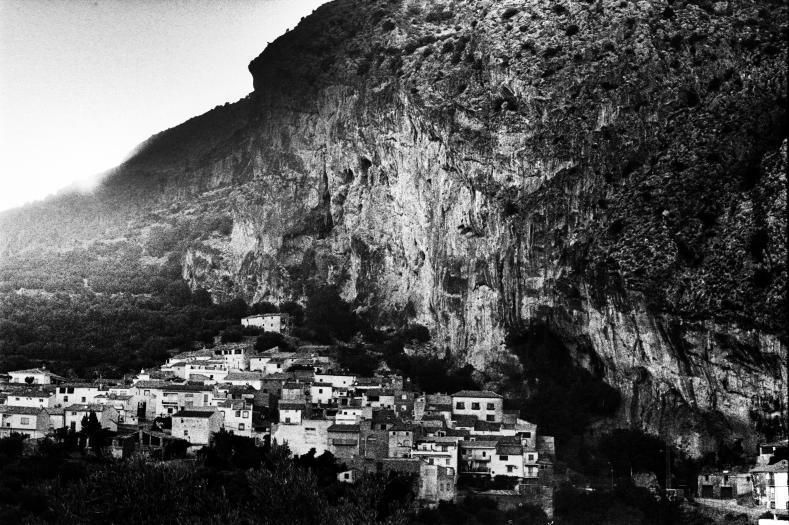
35, 376
487, 406
29, 421
272, 322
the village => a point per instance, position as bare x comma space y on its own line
300, 399
453, 443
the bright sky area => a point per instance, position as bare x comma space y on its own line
82, 82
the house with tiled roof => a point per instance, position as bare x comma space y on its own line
35, 376
486, 405
35, 396
107, 416
344, 440
196, 426
29, 421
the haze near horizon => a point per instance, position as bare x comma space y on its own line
82, 83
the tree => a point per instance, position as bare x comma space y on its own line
263, 307
326, 311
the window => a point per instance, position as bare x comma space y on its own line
320, 391
238, 413
510, 468
503, 458
241, 426
474, 406
531, 457
403, 396
460, 405
528, 434
190, 395
83, 399
490, 417
484, 454
65, 398
24, 420
346, 475
186, 432
245, 413
146, 392
491, 407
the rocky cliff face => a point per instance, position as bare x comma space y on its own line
612, 169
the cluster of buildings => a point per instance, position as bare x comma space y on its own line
765, 484
299, 399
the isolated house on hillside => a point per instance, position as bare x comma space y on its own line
271, 322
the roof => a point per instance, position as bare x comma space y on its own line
781, 466
509, 449
204, 414
291, 406
477, 393
32, 371
438, 407
33, 392
83, 407
401, 427
344, 428
321, 384
482, 443
487, 426
27, 411
243, 376
463, 420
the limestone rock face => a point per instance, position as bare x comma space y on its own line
615, 170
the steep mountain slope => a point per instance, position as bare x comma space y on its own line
611, 170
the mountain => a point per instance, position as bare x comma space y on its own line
607, 178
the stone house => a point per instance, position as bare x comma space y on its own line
726, 484
196, 426
106, 415
344, 441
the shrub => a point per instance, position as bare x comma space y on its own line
509, 13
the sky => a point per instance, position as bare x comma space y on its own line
82, 82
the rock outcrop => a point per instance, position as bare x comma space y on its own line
615, 170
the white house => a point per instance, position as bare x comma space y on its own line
71, 393
770, 487
487, 406
32, 397
321, 393
35, 376
29, 421
253, 379
271, 322
336, 380
291, 413
300, 438
237, 417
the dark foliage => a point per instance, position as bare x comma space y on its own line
328, 315
479, 511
